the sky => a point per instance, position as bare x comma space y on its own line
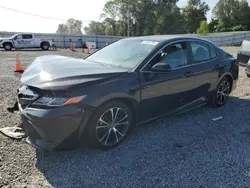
84, 10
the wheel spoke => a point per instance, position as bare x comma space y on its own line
107, 136
116, 136
224, 98
112, 114
101, 127
118, 124
220, 99
101, 120
118, 132
226, 88
116, 113
122, 119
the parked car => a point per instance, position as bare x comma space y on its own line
25, 40
243, 55
247, 70
99, 99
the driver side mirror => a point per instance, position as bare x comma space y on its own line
161, 67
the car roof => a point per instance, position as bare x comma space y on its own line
164, 38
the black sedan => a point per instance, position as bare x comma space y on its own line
96, 101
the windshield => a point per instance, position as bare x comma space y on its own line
124, 53
13, 36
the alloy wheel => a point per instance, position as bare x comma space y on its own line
223, 92
112, 126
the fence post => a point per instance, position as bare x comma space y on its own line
64, 42
233, 39
96, 40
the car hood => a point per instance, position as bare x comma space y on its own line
57, 72
4, 38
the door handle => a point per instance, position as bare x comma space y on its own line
188, 74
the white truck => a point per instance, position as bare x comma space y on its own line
25, 40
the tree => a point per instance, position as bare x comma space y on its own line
193, 14
72, 26
95, 28
213, 25
168, 18
75, 26
62, 29
203, 29
232, 14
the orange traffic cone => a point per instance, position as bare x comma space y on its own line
19, 67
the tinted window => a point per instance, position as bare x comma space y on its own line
175, 55
200, 52
27, 36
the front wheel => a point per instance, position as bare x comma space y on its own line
220, 96
7, 46
109, 125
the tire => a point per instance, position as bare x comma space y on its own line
220, 95
103, 134
7, 46
248, 75
45, 46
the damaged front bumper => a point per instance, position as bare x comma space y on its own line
52, 129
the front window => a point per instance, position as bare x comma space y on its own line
124, 53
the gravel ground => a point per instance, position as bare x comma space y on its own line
189, 150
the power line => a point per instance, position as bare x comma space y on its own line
30, 14
36, 15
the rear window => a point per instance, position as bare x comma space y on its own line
27, 36
202, 52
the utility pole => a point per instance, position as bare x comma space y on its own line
128, 22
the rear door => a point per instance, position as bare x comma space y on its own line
163, 92
206, 68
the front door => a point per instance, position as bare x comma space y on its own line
27, 41
17, 40
163, 92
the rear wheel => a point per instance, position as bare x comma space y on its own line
220, 96
7, 46
45, 46
109, 125
248, 75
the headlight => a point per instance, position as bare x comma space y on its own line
60, 101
